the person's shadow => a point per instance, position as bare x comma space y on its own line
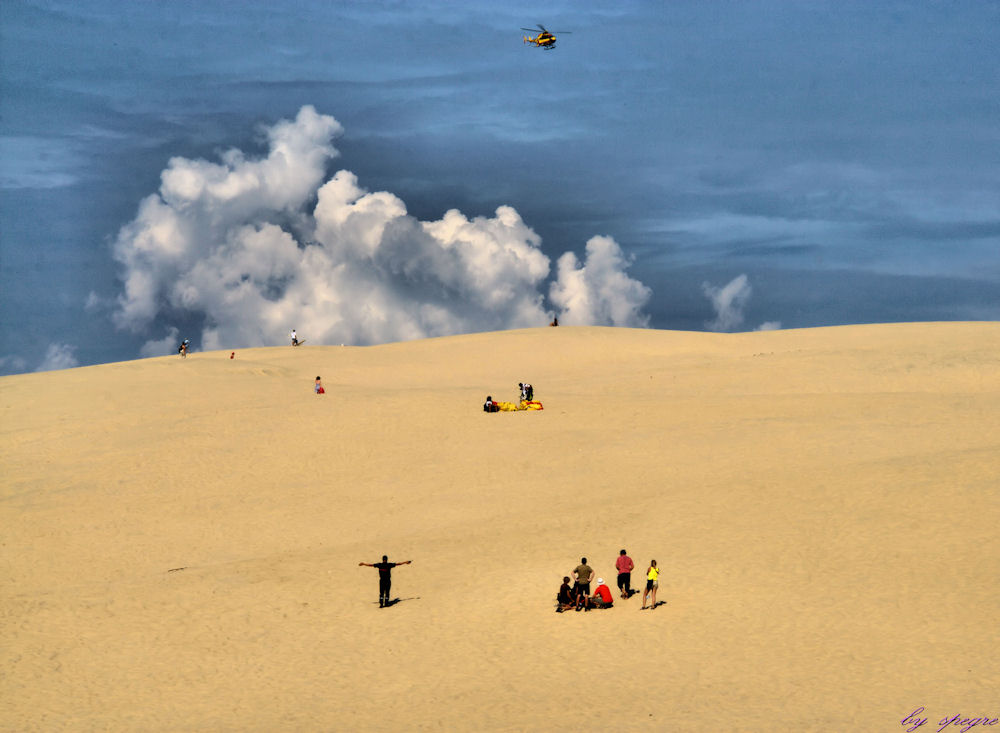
394, 601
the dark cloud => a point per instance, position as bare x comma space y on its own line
850, 143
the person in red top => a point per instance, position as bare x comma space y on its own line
602, 596
625, 566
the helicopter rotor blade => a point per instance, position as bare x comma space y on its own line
542, 28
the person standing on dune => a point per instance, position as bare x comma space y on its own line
583, 573
384, 577
624, 565
652, 583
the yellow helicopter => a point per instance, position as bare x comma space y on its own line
545, 39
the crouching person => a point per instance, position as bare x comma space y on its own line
602, 596
564, 599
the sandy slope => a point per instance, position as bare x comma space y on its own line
181, 538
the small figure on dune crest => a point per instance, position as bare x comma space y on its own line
652, 583
384, 578
555, 322
295, 338
183, 348
318, 389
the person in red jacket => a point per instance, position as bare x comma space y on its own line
602, 596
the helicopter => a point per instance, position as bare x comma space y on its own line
545, 39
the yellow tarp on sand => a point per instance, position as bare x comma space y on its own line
524, 405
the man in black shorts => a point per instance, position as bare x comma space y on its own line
583, 573
384, 577
624, 566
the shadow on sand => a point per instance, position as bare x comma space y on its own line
394, 601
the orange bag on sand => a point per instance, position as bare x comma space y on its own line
320, 391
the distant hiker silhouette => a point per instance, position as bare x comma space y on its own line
384, 577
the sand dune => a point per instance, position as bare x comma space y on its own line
181, 538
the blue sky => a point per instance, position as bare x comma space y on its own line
737, 165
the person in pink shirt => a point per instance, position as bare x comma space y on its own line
625, 566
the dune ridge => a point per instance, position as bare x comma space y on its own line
181, 537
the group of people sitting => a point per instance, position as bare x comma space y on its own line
578, 596
527, 401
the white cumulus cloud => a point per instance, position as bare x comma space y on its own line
58, 356
161, 347
253, 247
598, 291
728, 302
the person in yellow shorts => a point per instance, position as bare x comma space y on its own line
652, 583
